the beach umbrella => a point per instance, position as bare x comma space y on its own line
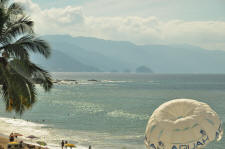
13, 143
32, 137
17, 134
70, 145
182, 124
42, 143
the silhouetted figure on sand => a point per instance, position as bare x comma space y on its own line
62, 144
66, 143
11, 137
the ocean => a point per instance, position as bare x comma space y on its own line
109, 110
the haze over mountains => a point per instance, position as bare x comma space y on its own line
83, 54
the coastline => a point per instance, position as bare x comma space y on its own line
4, 140
27, 128
108, 115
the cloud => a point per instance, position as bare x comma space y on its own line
141, 30
64, 16
54, 20
116, 7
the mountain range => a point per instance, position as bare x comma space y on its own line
86, 54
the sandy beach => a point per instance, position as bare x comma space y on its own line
4, 142
26, 128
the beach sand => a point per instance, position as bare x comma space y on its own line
4, 142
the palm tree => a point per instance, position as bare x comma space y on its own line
18, 75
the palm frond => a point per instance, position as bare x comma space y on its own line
3, 18
4, 2
18, 75
18, 92
19, 97
19, 27
29, 43
32, 72
36, 45
15, 9
16, 50
13, 22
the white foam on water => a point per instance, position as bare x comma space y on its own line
114, 81
154, 82
77, 82
9, 125
101, 140
88, 82
20, 122
123, 114
54, 146
85, 107
53, 136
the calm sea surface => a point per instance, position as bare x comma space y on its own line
111, 112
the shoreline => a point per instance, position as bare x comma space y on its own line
25, 128
4, 140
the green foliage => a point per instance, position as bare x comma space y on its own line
18, 75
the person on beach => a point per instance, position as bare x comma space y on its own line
11, 137
89, 147
62, 144
21, 144
66, 143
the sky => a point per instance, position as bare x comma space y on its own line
194, 22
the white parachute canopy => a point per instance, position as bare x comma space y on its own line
182, 124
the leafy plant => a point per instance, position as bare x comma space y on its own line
18, 75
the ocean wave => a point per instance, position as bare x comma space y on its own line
74, 82
8, 125
26, 128
84, 107
154, 82
114, 81
87, 82
53, 136
102, 140
123, 114
21, 122
87, 107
